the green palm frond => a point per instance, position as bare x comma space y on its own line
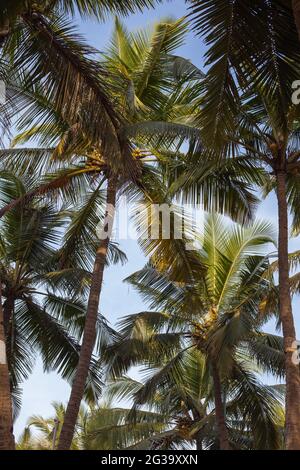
224, 187
80, 238
59, 351
262, 406
86, 8
18, 160
101, 8
164, 133
236, 63
55, 46
112, 429
122, 388
268, 351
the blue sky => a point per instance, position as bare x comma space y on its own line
118, 298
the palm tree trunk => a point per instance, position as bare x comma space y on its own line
6, 421
8, 312
296, 11
89, 334
199, 442
292, 400
198, 436
219, 410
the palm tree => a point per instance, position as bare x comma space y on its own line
294, 260
183, 398
219, 313
266, 66
110, 427
272, 142
49, 429
98, 428
43, 306
152, 76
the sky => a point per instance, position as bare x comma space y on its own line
118, 299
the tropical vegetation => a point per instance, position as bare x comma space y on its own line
83, 128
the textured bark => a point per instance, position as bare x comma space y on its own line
6, 421
296, 11
199, 436
89, 334
219, 410
8, 312
292, 400
199, 443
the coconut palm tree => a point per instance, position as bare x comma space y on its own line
266, 66
110, 427
49, 429
98, 428
184, 399
152, 75
43, 305
219, 313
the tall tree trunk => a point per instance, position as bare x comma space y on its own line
292, 400
89, 334
8, 316
199, 442
6, 421
296, 11
199, 436
219, 410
